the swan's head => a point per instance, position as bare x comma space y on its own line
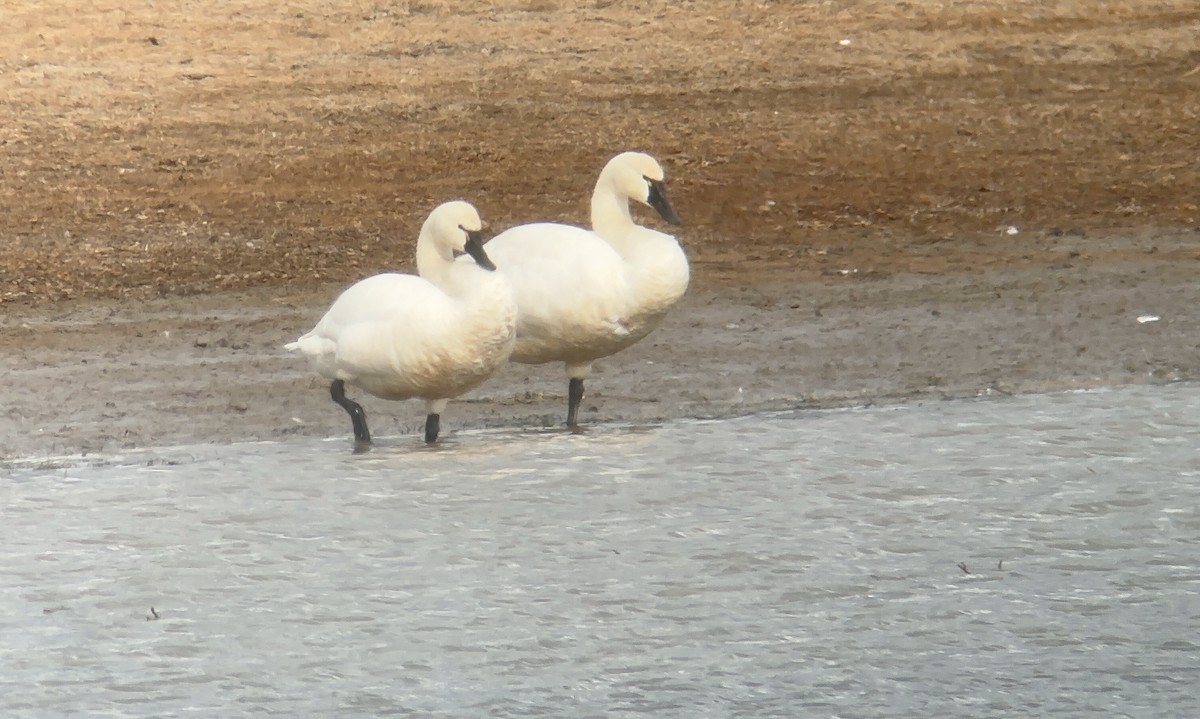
457, 229
638, 176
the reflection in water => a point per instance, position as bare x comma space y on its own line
1029, 556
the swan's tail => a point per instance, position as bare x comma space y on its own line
310, 344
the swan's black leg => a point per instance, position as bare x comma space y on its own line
337, 391
574, 397
432, 425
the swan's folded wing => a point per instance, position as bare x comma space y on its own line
357, 334
375, 299
567, 281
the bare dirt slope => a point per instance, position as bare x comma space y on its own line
176, 148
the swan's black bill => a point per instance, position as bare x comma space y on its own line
658, 200
474, 248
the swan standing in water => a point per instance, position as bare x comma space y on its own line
583, 295
435, 337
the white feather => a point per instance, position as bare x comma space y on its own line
400, 336
587, 294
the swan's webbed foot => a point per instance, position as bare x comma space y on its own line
432, 425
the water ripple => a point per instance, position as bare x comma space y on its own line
1024, 556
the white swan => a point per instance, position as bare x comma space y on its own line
434, 337
583, 295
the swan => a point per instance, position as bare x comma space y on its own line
434, 337
583, 295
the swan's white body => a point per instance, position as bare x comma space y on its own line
400, 336
432, 337
583, 295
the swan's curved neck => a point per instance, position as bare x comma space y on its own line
430, 264
610, 213
460, 279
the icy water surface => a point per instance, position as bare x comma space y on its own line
1030, 556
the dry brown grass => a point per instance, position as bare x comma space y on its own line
161, 148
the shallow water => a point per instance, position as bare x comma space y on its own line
1028, 556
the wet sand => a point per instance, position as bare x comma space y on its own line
99, 376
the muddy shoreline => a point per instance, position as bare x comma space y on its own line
104, 376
